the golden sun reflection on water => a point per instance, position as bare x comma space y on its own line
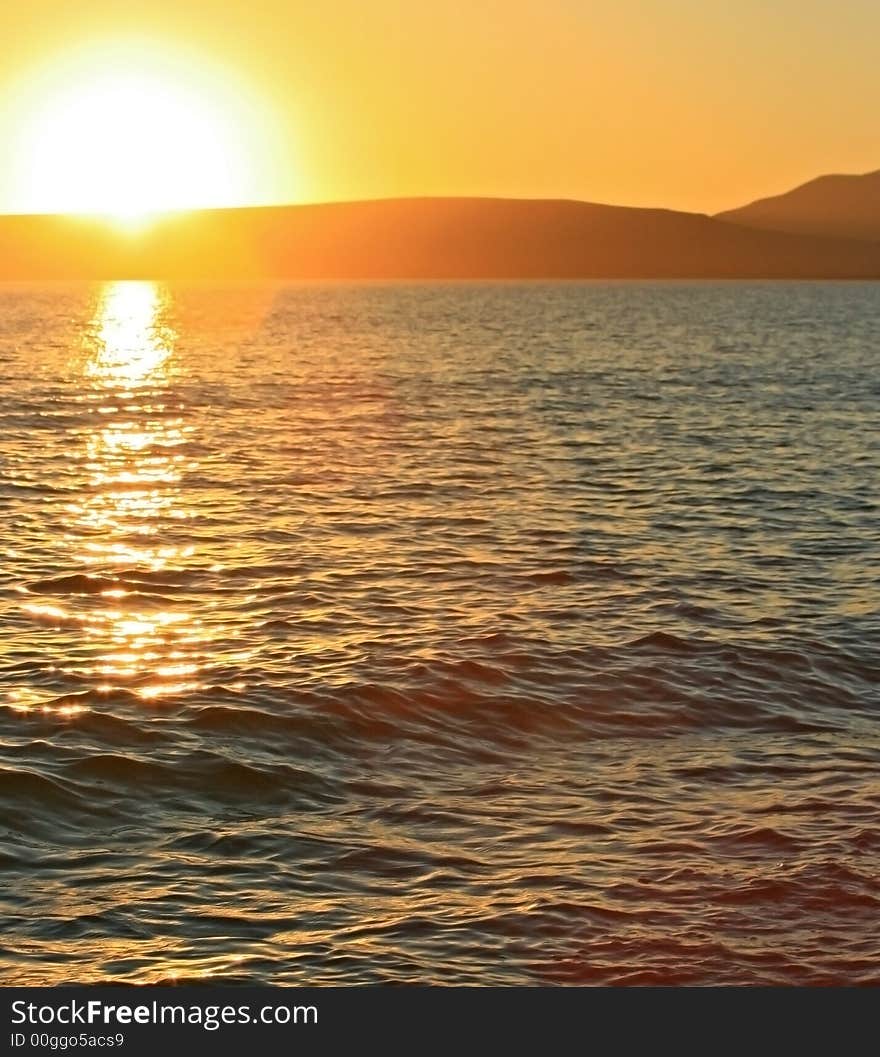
132, 342
126, 528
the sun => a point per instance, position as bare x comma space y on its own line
131, 130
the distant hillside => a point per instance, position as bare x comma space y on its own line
454, 238
832, 206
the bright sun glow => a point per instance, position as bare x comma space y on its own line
129, 131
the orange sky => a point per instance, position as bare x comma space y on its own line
689, 104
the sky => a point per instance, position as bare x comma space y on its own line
691, 104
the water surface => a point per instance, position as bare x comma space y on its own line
451, 633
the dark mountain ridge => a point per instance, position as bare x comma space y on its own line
427, 238
836, 206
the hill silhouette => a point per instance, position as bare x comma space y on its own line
836, 206
426, 238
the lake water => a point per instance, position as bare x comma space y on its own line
449, 633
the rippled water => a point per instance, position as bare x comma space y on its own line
440, 633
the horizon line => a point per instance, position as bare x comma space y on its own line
161, 212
